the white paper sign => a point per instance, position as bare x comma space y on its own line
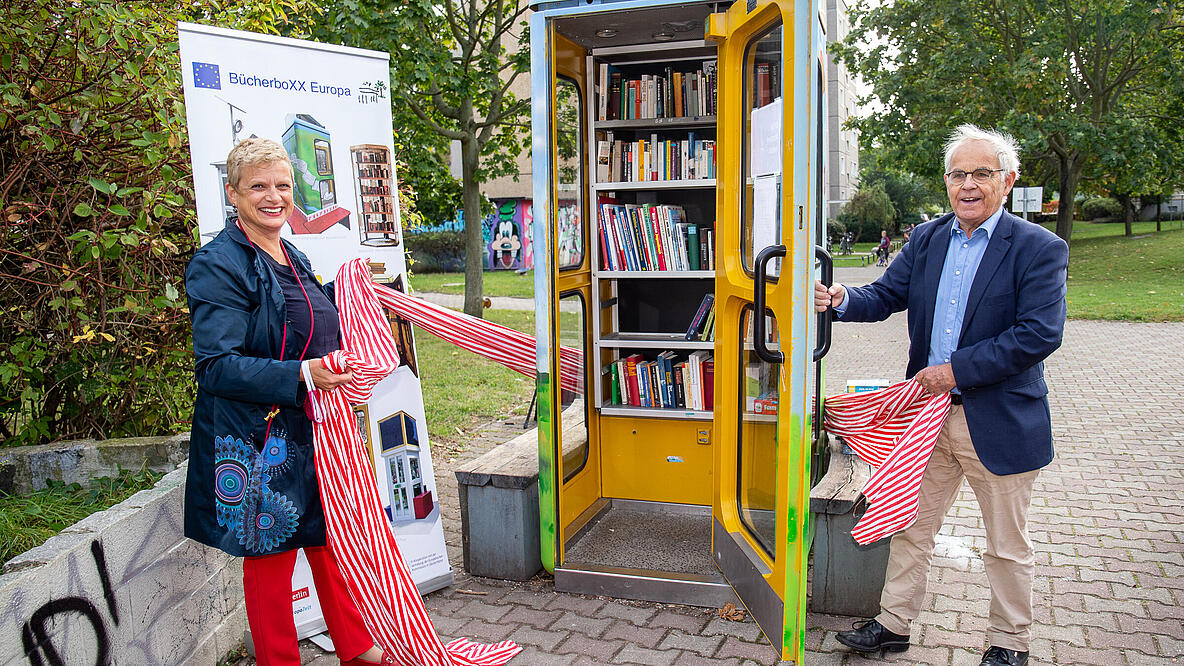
1026, 199
766, 218
765, 136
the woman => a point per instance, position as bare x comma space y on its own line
883, 248
261, 323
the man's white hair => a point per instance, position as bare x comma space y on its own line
1005, 145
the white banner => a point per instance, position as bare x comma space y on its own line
330, 108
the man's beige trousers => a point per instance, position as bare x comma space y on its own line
1009, 559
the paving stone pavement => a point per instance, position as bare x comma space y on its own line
1106, 519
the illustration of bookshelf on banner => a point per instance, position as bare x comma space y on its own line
378, 208
654, 159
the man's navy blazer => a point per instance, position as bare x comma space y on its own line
1015, 317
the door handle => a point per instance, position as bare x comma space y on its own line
758, 304
825, 319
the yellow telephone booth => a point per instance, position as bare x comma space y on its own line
678, 154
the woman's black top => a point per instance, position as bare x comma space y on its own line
328, 327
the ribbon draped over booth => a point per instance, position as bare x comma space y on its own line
895, 430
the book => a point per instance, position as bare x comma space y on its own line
622, 381
700, 317
693, 251
614, 383
708, 384
603, 160
680, 395
632, 378
708, 333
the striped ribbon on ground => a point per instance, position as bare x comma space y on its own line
358, 529
893, 429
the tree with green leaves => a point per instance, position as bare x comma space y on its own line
869, 206
1066, 78
96, 199
453, 63
910, 194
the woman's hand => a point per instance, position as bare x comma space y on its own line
324, 378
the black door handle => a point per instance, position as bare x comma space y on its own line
824, 318
758, 304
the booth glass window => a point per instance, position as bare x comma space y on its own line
573, 416
760, 218
756, 454
569, 164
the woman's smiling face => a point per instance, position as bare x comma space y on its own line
263, 197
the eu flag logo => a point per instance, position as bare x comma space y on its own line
206, 75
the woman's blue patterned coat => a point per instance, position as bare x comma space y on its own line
244, 495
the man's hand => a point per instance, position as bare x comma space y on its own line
825, 297
324, 378
937, 379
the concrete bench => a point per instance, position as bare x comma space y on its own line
499, 502
847, 577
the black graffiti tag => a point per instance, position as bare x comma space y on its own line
39, 647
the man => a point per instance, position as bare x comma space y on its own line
985, 294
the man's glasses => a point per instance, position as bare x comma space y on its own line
981, 175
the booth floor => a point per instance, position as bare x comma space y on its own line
1107, 519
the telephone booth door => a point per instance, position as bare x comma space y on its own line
768, 334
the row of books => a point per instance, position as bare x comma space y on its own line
648, 237
664, 382
669, 94
644, 160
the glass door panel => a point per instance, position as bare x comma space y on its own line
756, 474
763, 118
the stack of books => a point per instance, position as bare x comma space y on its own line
703, 323
665, 382
668, 94
650, 237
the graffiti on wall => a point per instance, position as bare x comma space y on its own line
151, 599
35, 633
507, 233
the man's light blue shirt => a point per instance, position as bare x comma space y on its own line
963, 255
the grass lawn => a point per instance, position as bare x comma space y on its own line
1140, 278
495, 283
28, 521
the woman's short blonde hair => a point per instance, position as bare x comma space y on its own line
253, 152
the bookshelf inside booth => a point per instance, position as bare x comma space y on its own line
652, 154
374, 181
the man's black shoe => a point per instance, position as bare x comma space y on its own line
871, 636
997, 656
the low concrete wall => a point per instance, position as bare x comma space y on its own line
122, 586
25, 469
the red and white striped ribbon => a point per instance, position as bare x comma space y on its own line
357, 528
504, 345
893, 429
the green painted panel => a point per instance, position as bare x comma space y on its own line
548, 523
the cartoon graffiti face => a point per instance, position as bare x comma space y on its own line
505, 245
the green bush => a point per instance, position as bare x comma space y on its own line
437, 251
1096, 208
98, 223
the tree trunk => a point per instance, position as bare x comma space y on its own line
474, 241
1069, 175
1128, 213
1158, 206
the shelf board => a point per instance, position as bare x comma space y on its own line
701, 183
655, 412
620, 275
653, 341
657, 123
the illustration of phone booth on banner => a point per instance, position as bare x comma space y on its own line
399, 451
690, 136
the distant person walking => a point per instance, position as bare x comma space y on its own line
985, 295
883, 248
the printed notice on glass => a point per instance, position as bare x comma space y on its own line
766, 139
766, 217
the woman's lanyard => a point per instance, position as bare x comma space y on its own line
312, 323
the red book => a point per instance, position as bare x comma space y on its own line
708, 383
631, 370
